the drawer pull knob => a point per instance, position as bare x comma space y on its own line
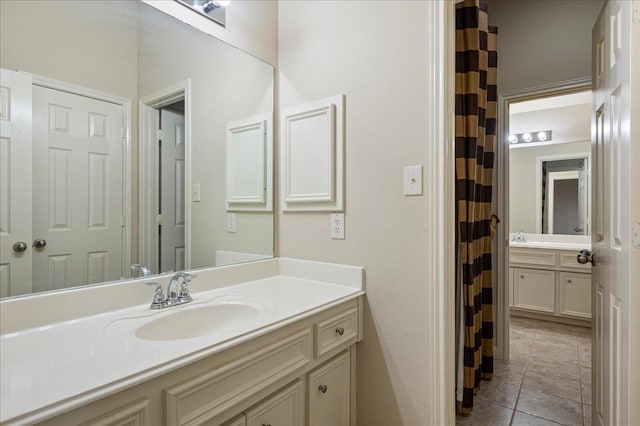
340, 331
521, 276
322, 388
569, 281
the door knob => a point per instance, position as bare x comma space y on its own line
322, 388
39, 243
20, 246
586, 256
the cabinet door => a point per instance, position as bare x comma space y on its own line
329, 393
534, 289
285, 408
575, 294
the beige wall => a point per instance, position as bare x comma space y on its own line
542, 42
522, 181
226, 85
251, 26
376, 54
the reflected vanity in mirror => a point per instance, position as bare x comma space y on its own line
116, 123
549, 176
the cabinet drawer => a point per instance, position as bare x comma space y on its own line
208, 395
329, 393
335, 331
285, 408
575, 294
534, 289
533, 257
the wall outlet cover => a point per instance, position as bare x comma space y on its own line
231, 222
337, 226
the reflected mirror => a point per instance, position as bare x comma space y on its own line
128, 138
549, 165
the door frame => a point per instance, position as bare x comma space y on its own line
501, 267
149, 107
125, 103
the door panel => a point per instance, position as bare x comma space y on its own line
15, 182
172, 196
78, 189
611, 149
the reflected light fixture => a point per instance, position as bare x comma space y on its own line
539, 136
212, 9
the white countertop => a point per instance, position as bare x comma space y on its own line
550, 245
53, 368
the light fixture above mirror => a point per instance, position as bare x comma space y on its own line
212, 9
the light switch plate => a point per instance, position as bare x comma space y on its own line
195, 192
231, 222
413, 180
337, 226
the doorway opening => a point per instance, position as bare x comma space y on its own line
165, 152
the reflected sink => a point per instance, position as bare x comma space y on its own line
187, 323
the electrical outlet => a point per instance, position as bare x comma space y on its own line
231, 222
337, 226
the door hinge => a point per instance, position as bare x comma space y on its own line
159, 134
159, 219
636, 11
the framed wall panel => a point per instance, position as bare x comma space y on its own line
312, 156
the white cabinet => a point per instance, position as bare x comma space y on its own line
534, 289
328, 394
549, 282
285, 408
575, 294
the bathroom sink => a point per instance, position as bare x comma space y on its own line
190, 322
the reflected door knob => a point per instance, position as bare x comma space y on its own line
39, 243
20, 246
586, 256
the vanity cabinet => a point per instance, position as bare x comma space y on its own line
285, 408
549, 284
299, 374
328, 393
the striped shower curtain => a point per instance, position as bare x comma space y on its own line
476, 116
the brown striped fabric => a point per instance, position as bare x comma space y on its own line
476, 119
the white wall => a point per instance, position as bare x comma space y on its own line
542, 42
522, 181
376, 53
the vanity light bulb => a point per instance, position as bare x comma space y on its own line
513, 139
542, 136
527, 137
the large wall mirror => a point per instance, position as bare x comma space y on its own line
549, 165
128, 137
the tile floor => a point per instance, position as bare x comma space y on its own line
547, 381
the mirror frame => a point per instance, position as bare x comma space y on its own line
573, 156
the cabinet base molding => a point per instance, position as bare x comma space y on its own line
515, 312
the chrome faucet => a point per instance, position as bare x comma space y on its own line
173, 297
141, 268
518, 237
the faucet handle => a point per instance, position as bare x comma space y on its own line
158, 296
184, 295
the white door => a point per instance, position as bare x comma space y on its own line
172, 187
15, 183
78, 189
614, 279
